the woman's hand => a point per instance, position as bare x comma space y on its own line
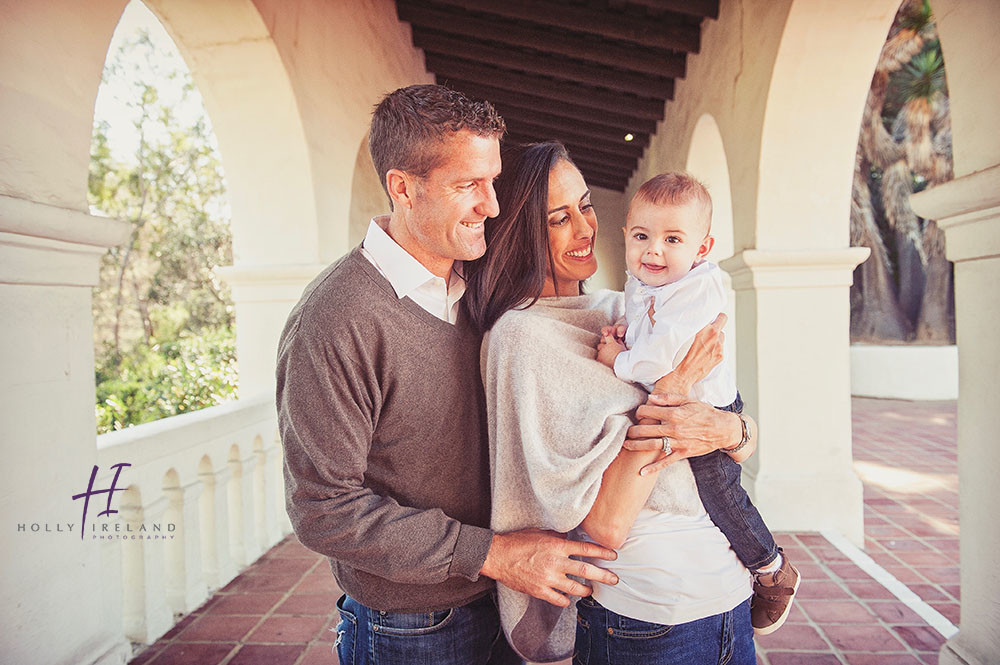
693, 428
705, 353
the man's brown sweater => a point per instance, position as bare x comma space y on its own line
382, 417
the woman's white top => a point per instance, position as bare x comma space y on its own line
673, 569
681, 309
557, 419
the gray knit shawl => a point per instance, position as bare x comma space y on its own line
557, 419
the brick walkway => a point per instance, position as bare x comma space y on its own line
905, 453
280, 611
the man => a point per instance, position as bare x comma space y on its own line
382, 412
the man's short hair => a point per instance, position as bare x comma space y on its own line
410, 125
676, 188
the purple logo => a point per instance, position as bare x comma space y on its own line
92, 492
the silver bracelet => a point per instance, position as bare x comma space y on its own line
744, 436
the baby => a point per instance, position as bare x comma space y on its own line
672, 292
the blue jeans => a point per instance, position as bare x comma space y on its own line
727, 503
466, 635
606, 638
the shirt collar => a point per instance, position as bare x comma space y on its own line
405, 273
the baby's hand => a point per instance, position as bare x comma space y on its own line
608, 348
617, 331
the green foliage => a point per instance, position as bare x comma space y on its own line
924, 74
922, 77
918, 19
188, 373
903, 293
162, 321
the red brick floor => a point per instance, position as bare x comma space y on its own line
281, 610
905, 453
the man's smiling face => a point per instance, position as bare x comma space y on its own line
452, 203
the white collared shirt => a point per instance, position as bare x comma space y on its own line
409, 277
681, 309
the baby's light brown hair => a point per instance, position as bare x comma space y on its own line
676, 188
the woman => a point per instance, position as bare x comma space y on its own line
557, 421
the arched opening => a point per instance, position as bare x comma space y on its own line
368, 199
248, 92
902, 301
707, 161
163, 322
902, 313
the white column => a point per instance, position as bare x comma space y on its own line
145, 612
235, 515
186, 588
968, 210
49, 258
268, 530
263, 296
216, 564
278, 489
251, 544
243, 542
792, 339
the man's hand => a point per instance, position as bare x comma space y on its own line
608, 349
694, 428
537, 562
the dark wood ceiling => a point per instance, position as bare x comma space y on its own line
586, 72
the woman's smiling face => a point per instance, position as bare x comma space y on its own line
572, 226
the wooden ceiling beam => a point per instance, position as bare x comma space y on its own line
697, 8
617, 183
647, 60
589, 168
623, 148
587, 129
597, 156
586, 160
650, 109
558, 67
619, 121
644, 31
613, 186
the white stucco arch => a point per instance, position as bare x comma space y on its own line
706, 160
290, 89
255, 114
821, 76
967, 209
770, 76
290, 94
368, 199
794, 282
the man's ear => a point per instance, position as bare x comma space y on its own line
706, 246
401, 187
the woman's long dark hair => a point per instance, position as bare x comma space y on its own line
512, 271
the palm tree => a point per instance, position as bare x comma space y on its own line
904, 289
924, 128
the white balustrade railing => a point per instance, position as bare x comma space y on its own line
204, 499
